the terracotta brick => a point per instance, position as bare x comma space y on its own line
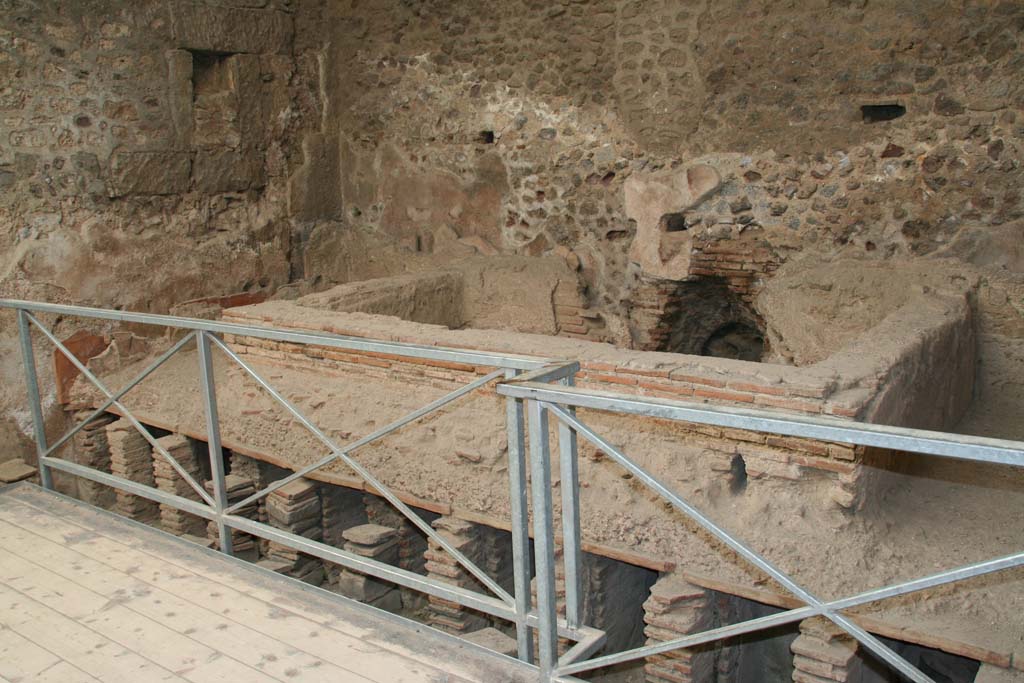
719, 395
755, 450
573, 329
795, 444
758, 388
695, 379
804, 677
789, 404
643, 373
841, 452
362, 360
822, 464
813, 667
742, 435
841, 411
613, 379
673, 390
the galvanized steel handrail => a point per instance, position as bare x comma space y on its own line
534, 388
337, 341
215, 508
561, 401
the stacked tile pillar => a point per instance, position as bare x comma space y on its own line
378, 543
824, 653
342, 509
169, 481
441, 566
251, 469
131, 458
677, 608
93, 450
243, 544
295, 508
412, 544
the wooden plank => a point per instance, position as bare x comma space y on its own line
63, 672
223, 669
145, 636
20, 658
331, 645
410, 640
75, 643
233, 640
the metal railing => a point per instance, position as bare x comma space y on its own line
534, 390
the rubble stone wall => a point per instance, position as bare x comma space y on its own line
145, 149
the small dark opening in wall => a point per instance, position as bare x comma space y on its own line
735, 340
486, 137
874, 113
673, 222
737, 474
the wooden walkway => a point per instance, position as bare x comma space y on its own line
88, 596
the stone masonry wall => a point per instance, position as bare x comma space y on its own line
521, 124
145, 149
878, 132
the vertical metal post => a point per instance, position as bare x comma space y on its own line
571, 552
520, 520
28, 357
543, 539
220, 495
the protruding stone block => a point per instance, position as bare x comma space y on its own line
658, 203
225, 29
227, 170
15, 470
149, 173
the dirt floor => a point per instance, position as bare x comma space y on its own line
930, 519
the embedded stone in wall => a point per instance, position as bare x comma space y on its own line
148, 173
179, 77
226, 29
227, 170
312, 192
658, 203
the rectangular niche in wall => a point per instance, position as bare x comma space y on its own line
214, 102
